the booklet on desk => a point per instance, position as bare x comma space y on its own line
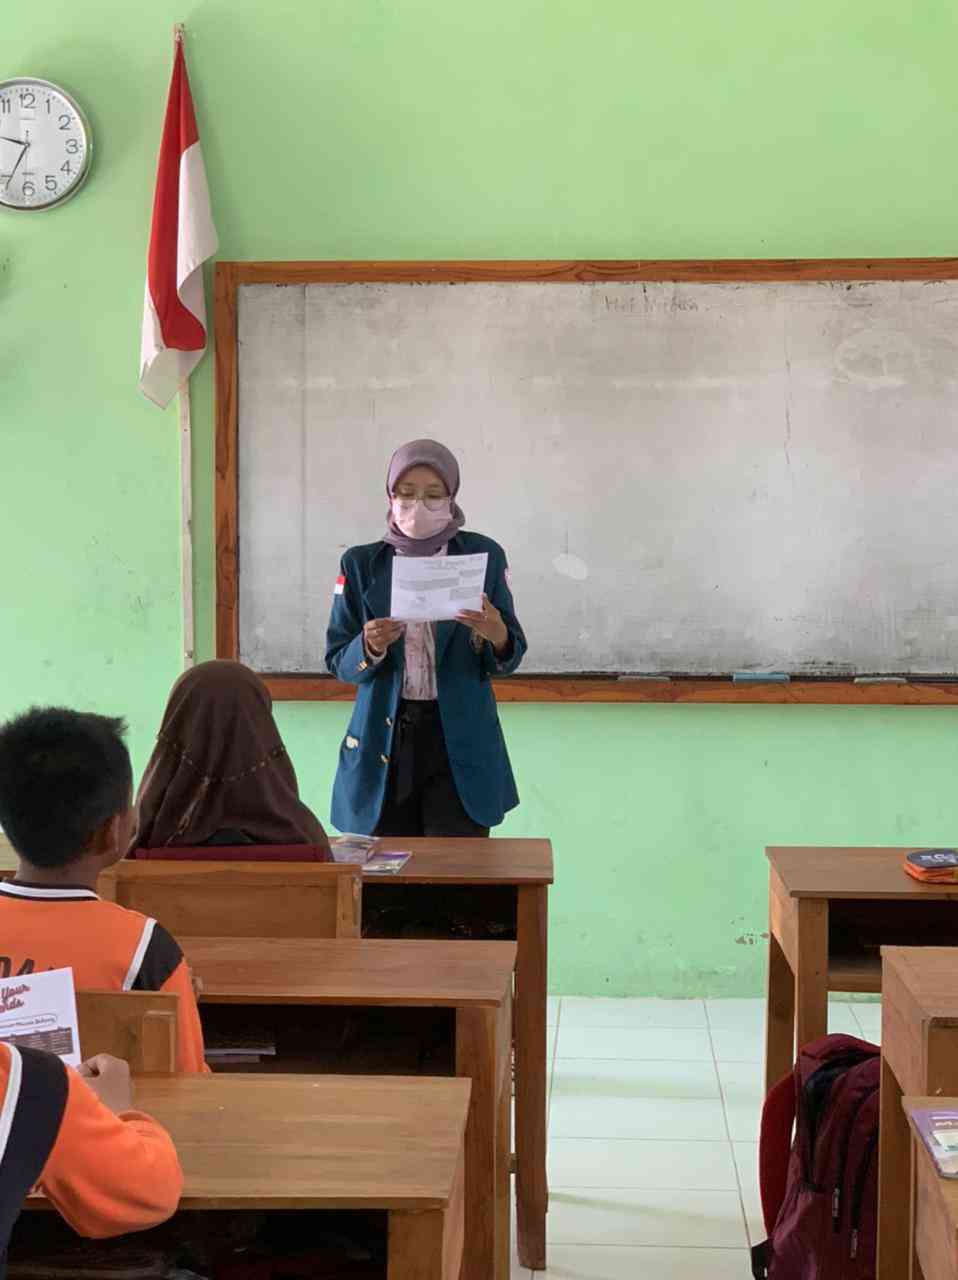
248, 1043
385, 864
933, 866
350, 848
939, 1132
362, 850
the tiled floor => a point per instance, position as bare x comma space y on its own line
653, 1127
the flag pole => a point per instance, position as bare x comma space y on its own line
186, 495
186, 523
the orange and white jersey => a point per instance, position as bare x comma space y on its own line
106, 1174
107, 946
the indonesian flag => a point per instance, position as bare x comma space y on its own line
181, 239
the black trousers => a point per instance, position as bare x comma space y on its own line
421, 796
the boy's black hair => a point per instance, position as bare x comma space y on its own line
63, 774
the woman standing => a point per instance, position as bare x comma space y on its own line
424, 754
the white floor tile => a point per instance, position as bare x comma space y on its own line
743, 1092
868, 1017
746, 1159
611, 1262
745, 1044
842, 1020
629, 1216
580, 1011
625, 1079
736, 1015
637, 1043
746, 1162
619, 1113
738, 1035
604, 1162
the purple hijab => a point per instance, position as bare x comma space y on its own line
423, 453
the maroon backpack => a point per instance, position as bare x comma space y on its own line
820, 1190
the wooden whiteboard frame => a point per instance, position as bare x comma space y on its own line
321, 688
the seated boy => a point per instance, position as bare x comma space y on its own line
107, 1168
65, 805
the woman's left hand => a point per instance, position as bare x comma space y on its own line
488, 624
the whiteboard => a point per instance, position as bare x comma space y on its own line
687, 478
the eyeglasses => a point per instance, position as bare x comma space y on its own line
431, 501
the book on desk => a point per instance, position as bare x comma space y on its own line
938, 1128
364, 851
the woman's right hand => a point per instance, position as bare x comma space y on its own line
379, 634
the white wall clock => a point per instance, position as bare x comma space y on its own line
45, 144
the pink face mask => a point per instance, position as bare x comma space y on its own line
416, 520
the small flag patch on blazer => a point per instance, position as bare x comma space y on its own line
340, 585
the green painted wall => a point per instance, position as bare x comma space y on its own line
514, 128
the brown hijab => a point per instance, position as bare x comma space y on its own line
220, 765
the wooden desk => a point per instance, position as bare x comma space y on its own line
933, 1211
473, 979
240, 899
521, 871
919, 1056
823, 902
325, 1142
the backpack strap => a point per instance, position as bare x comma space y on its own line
774, 1151
774, 1148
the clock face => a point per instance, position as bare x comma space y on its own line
45, 145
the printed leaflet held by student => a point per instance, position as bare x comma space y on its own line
39, 1011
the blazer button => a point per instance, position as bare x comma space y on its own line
389, 723
384, 759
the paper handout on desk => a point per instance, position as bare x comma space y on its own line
39, 1011
436, 588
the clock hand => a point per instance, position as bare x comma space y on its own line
23, 152
16, 141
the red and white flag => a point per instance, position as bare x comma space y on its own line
181, 239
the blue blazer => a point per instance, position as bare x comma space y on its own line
467, 704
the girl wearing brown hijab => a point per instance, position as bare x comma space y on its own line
220, 774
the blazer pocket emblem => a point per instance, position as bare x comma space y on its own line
351, 743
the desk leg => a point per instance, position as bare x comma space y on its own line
811, 980
779, 1015
416, 1249
504, 1166
476, 1059
894, 1157
531, 1075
